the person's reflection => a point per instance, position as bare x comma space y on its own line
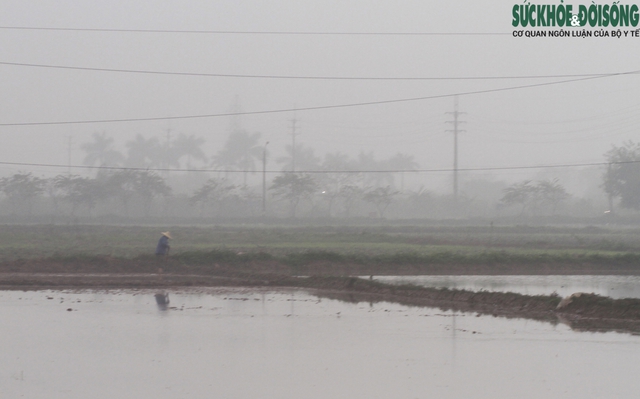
162, 299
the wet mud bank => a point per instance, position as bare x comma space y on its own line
333, 264
586, 312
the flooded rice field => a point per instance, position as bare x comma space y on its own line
252, 343
616, 287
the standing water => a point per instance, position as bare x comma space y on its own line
612, 286
241, 343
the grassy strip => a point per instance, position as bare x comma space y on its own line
39, 241
328, 263
295, 259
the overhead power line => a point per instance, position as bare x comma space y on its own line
436, 170
254, 76
315, 108
249, 32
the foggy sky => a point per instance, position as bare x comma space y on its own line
557, 124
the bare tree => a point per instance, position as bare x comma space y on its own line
79, 191
381, 197
211, 194
293, 187
622, 178
552, 193
22, 189
519, 194
349, 194
149, 185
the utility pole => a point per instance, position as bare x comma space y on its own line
70, 141
455, 131
264, 180
293, 142
609, 194
235, 110
167, 150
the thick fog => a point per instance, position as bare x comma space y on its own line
358, 79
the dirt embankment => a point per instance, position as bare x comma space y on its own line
587, 312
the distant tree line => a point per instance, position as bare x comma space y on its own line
242, 152
620, 182
342, 186
70, 194
139, 194
540, 197
622, 177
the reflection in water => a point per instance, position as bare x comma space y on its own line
219, 340
162, 299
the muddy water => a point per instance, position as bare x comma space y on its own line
262, 344
612, 286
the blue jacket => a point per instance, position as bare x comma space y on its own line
163, 246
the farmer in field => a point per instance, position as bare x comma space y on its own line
163, 244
